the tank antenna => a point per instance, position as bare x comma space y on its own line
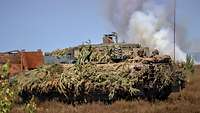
174, 30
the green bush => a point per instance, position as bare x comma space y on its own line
6, 97
7, 94
189, 65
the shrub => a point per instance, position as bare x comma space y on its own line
189, 65
6, 92
6, 97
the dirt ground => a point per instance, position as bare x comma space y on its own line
187, 101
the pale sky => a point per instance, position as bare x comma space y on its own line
52, 24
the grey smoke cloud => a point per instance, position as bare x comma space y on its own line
149, 22
119, 13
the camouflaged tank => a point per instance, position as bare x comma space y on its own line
105, 72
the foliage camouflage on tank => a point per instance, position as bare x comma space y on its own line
97, 77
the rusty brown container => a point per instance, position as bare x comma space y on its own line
14, 59
21, 60
32, 60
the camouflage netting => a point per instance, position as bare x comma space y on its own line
59, 52
101, 53
151, 78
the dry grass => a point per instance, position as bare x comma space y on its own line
188, 101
